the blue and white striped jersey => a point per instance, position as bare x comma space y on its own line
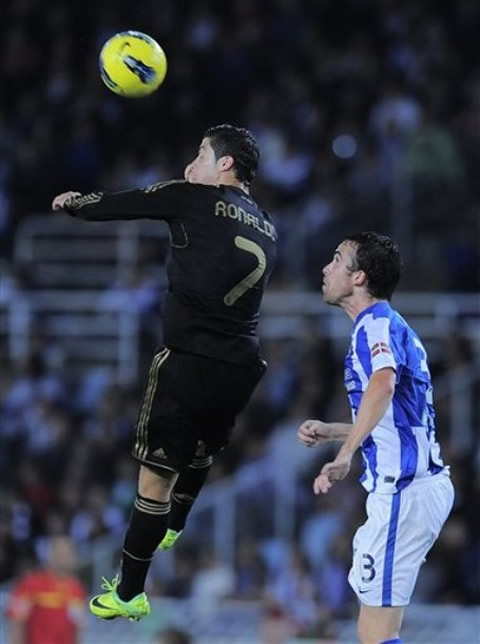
403, 446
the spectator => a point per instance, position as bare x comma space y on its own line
293, 591
213, 580
46, 605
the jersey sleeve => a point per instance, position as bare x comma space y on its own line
166, 200
381, 349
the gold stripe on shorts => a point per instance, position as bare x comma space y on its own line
141, 442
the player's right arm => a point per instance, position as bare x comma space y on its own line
158, 201
315, 432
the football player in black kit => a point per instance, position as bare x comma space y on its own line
222, 253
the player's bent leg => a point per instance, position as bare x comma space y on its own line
148, 524
379, 624
185, 493
158, 484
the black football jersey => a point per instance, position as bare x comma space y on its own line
222, 254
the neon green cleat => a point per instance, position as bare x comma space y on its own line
169, 540
109, 605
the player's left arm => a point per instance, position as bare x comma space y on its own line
159, 201
312, 433
375, 402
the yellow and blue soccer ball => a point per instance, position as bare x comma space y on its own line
132, 64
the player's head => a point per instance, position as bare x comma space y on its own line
61, 556
365, 262
227, 154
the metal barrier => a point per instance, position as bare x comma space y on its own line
88, 334
111, 336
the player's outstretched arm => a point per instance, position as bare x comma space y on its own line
102, 206
160, 201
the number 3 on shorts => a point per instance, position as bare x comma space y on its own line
252, 278
369, 572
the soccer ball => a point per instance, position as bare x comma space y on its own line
132, 64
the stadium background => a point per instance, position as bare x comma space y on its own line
368, 116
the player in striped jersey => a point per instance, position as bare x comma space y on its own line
391, 397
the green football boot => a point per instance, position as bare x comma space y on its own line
109, 605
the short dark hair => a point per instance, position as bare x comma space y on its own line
239, 143
379, 257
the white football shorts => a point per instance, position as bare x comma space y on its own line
390, 547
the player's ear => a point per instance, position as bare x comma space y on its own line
360, 278
226, 163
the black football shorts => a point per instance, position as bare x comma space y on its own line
189, 407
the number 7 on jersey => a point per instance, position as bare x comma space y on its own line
252, 278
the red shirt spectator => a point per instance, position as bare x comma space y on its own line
46, 606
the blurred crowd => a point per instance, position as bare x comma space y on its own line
66, 469
367, 113
368, 116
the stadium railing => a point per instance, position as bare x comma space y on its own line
82, 314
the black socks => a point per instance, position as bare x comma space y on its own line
148, 525
186, 490
149, 522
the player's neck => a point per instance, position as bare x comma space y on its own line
229, 180
356, 304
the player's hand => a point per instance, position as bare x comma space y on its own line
59, 201
314, 432
331, 472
